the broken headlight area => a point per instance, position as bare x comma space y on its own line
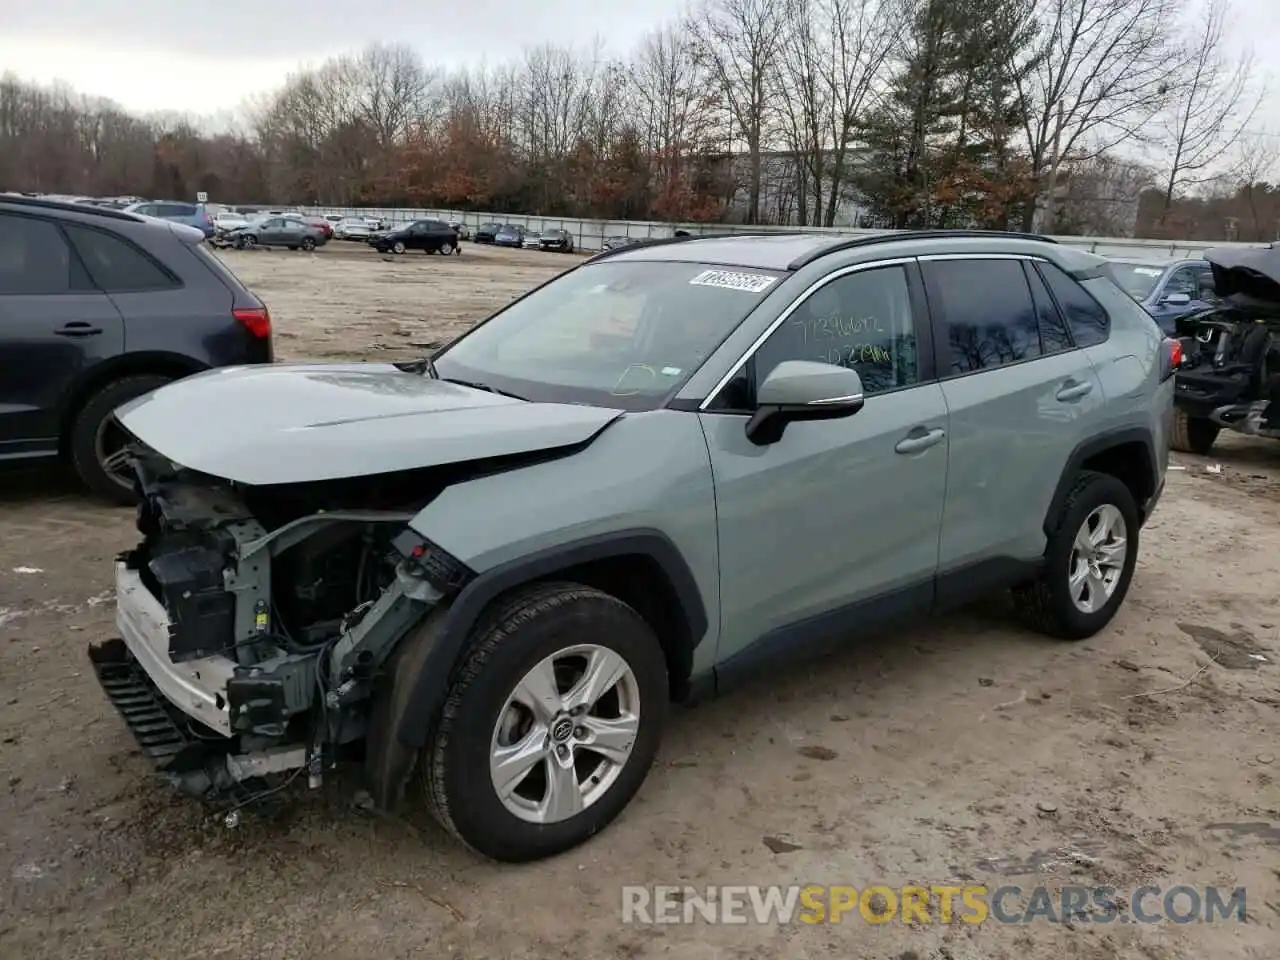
254, 621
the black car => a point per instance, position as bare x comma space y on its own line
98, 307
430, 236
487, 232
1229, 374
561, 240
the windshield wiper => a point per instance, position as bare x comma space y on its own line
477, 385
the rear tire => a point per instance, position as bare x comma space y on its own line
446, 249
89, 441
1192, 434
546, 632
308, 244
1051, 604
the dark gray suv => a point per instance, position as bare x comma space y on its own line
98, 307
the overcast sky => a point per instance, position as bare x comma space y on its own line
206, 58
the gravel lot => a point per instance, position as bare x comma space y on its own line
958, 749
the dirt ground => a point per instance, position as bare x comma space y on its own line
961, 750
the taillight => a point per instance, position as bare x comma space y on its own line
254, 319
1171, 357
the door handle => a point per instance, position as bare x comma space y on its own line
78, 328
1073, 390
920, 439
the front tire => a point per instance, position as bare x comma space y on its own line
1088, 563
94, 438
551, 724
398, 247
1192, 434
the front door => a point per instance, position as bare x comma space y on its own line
837, 523
54, 326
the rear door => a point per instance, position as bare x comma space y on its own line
54, 328
1021, 396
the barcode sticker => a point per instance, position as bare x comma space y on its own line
728, 280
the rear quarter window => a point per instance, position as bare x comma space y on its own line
116, 265
219, 269
1088, 320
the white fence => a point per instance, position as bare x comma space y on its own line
589, 235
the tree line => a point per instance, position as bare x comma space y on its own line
1066, 116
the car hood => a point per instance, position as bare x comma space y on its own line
293, 423
1251, 273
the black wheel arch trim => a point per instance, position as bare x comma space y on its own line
1091, 448
431, 685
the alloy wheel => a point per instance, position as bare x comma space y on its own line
565, 734
1097, 558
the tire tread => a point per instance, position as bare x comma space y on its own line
1035, 602
494, 629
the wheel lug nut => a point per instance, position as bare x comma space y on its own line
580, 732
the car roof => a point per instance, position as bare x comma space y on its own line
790, 251
37, 204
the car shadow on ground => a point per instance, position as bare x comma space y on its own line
807, 700
22, 486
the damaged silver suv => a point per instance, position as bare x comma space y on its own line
486, 575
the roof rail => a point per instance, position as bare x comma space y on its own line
889, 237
663, 241
41, 204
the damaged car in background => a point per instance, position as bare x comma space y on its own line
1229, 377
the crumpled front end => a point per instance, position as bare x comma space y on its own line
252, 622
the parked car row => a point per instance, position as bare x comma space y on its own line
514, 235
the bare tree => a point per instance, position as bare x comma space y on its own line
1257, 172
863, 35
738, 43
803, 92
1103, 71
1213, 107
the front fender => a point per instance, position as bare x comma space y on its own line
643, 487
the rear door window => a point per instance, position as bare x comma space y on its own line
1089, 322
116, 265
35, 259
989, 318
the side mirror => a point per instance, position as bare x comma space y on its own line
799, 390
1177, 299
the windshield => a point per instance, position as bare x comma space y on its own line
1135, 278
611, 334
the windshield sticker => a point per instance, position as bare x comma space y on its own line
1147, 272
749, 282
671, 371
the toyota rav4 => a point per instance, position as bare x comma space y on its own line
487, 574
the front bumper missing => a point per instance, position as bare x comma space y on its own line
194, 686
176, 712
